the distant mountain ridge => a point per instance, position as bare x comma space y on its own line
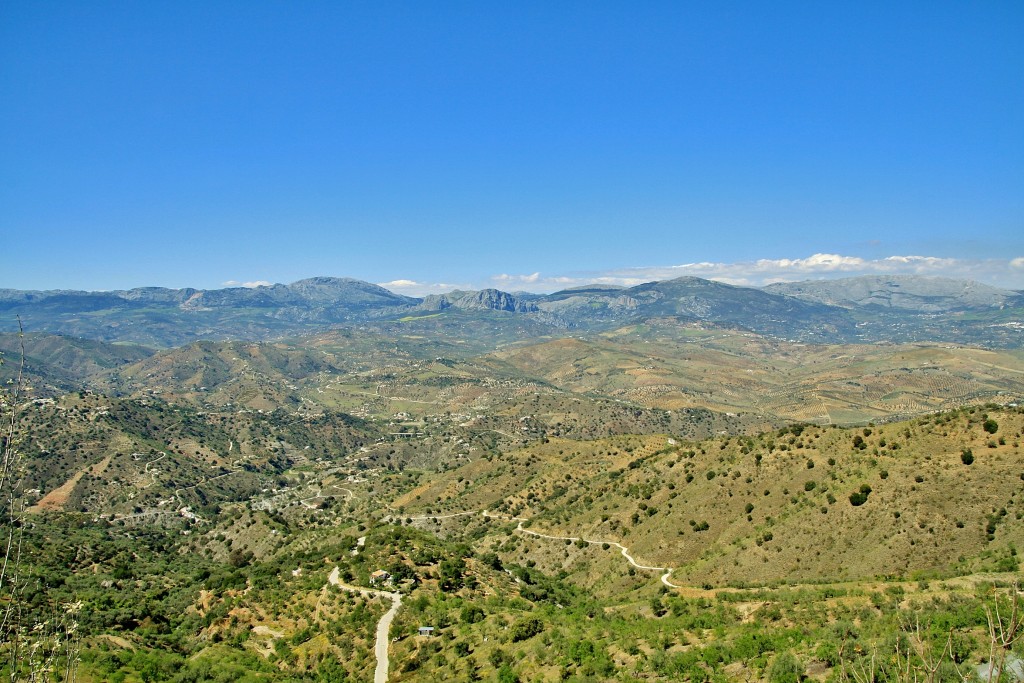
311, 291
896, 308
161, 317
904, 292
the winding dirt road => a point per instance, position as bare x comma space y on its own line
380, 648
625, 551
519, 527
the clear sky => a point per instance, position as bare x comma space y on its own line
524, 145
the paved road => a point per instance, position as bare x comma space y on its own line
380, 648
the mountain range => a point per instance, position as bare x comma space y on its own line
863, 309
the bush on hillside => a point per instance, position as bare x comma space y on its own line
860, 497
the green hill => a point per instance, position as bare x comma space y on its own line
766, 509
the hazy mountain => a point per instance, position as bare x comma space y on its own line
870, 309
169, 317
310, 293
902, 292
691, 298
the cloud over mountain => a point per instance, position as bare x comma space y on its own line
1007, 273
248, 285
415, 288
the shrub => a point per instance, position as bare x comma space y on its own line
860, 497
526, 628
506, 674
471, 614
785, 668
990, 426
966, 456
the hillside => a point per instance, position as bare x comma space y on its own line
664, 557
765, 509
667, 365
124, 457
57, 364
660, 365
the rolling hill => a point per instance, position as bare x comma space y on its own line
667, 481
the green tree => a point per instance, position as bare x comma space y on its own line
526, 628
506, 674
451, 573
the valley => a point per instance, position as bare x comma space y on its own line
477, 494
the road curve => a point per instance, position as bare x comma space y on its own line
380, 648
624, 550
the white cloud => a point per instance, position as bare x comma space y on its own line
250, 285
505, 278
534, 282
414, 288
815, 263
998, 272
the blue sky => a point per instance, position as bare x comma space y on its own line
521, 145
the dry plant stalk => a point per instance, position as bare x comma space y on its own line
8, 472
10, 511
1003, 631
43, 650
